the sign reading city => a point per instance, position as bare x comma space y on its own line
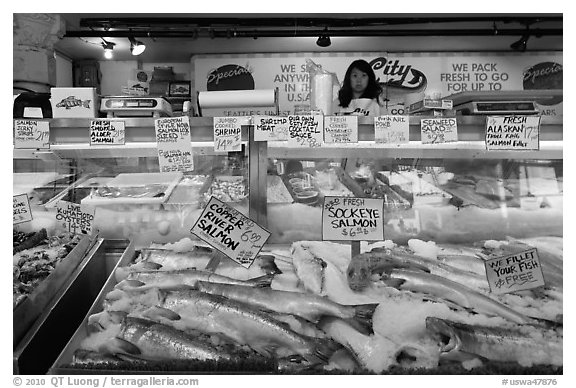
349, 218
513, 132
514, 272
230, 232
174, 144
227, 134
31, 134
391, 129
21, 211
439, 130
270, 128
341, 129
74, 217
107, 132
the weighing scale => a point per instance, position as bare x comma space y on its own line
135, 106
520, 102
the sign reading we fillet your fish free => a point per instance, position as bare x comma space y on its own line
31, 134
515, 272
349, 218
230, 232
174, 144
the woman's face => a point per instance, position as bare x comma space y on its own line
358, 81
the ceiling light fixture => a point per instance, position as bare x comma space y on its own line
520, 44
108, 48
324, 39
136, 47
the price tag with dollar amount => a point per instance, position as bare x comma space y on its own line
227, 134
271, 128
107, 132
75, 218
305, 131
391, 129
353, 219
439, 130
513, 133
174, 144
21, 211
31, 134
341, 129
230, 232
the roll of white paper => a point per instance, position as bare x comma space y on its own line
321, 93
236, 98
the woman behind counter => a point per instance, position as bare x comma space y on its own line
360, 91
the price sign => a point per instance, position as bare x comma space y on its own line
174, 144
31, 134
391, 129
515, 272
439, 130
305, 131
21, 211
230, 232
270, 128
227, 134
107, 132
513, 132
357, 219
341, 129
74, 217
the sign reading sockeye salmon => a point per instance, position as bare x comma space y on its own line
515, 272
348, 218
230, 232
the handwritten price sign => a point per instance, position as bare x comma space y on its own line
74, 217
21, 211
305, 131
348, 218
31, 134
391, 129
230, 232
174, 144
513, 132
270, 128
515, 272
341, 129
227, 134
107, 132
439, 130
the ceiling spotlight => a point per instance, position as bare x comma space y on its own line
136, 47
520, 44
108, 48
324, 39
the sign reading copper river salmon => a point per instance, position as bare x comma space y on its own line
31, 134
227, 134
349, 218
514, 272
513, 132
174, 144
74, 217
230, 232
21, 209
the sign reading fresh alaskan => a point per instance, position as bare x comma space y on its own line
31, 134
107, 132
341, 129
227, 134
349, 218
270, 128
174, 144
230, 232
514, 272
21, 211
391, 129
439, 130
305, 131
513, 132
74, 217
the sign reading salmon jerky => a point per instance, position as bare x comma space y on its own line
391, 129
341, 129
349, 218
227, 134
305, 131
514, 272
270, 128
439, 130
21, 211
513, 132
107, 132
74, 217
31, 134
174, 144
230, 232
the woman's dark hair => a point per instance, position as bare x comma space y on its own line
372, 91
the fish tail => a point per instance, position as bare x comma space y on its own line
262, 281
156, 312
323, 350
363, 314
118, 345
86, 104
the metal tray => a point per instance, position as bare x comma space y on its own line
48, 335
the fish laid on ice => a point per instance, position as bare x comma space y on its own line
306, 305
189, 277
197, 257
499, 344
309, 269
83, 356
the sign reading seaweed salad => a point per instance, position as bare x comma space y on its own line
439, 130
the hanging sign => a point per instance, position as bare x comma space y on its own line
230, 232
174, 144
349, 218
439, 130
271, 128
341, 129
513, 133
391, 129
31, 134
514, 272
21, 211
227, 134
107, 132
305, 131
74, 217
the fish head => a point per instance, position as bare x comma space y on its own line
445, 333
358, 275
